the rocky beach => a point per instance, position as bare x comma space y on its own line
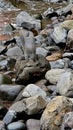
36, 65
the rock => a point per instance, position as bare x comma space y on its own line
4, 79
52, 116
31, 70
69, 43
57, 64
59, 35
65, 84
18, 125
53, 49
9, 92
9, 117
2, 125
3, 110
14, 51
65, 10
34, 104
3, 50
24, 17
67, 121
71, 64
49, 13
33, 124
68, 55
32, 90
67, 24
53, 75
54, 56
18, 107
41, 51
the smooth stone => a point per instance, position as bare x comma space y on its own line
16, 126
9, 92
32, 90
67, 24
41, 51
9, 117
57, 64
53, 75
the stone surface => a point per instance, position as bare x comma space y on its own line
16, 126
31, 70
2, 125
53, 75
41, 51
9, 117
67, 24
67, 121
69, 43
52, 116
32, 90
9, 92
33, 124
65, 84
59, 35
34, 104
24, 17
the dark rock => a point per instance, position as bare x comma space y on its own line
31, 70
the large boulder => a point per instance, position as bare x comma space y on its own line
65, 84
29, 70
53, 115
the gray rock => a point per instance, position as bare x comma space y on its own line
53, 75
9, 92
41, 51
16, 126
33, 124
69, 43
14, 51
52, 116
65, 84
24, 17
59, 35
67, 55
9, 117
32, 90
57, 64
67, 121
31, 70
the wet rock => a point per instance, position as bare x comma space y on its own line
2, 125
32, 90
31, 70
4, 79
41, 51
24, 17
34, 104
65, 84
67, 24
69, 43
67, 121
52, 116
9, 117
53, 75
33, 124
59, 35
16, 126
14, 51
9, 92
